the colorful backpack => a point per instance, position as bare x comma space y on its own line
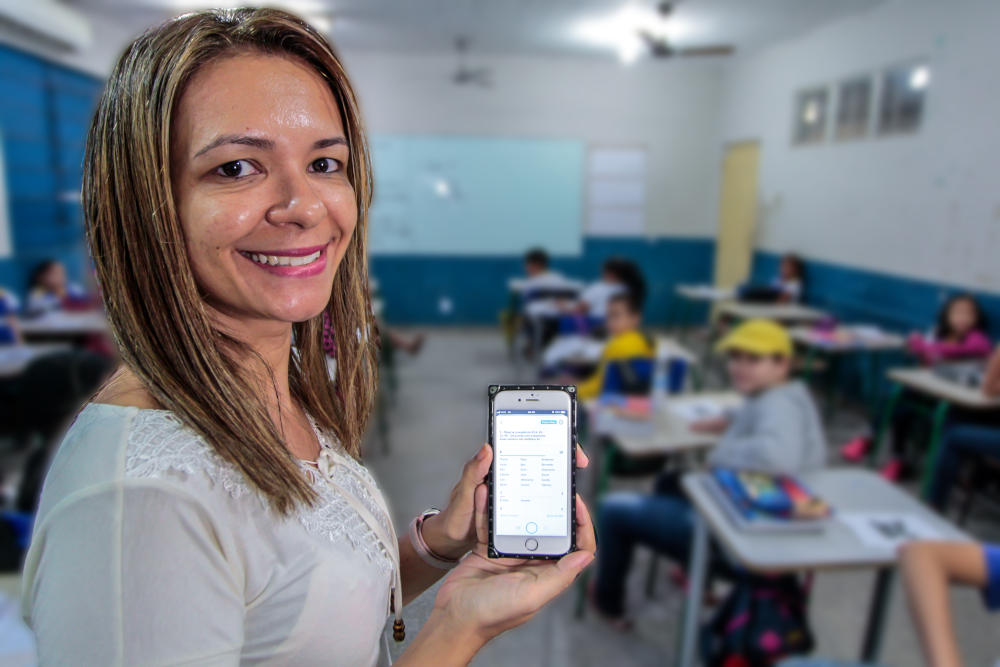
761, 621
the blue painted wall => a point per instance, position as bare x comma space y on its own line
412, 286
858, 295
45, 111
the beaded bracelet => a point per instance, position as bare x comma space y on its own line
424, 551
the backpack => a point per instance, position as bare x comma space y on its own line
761, 621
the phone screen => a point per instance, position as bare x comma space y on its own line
532, 472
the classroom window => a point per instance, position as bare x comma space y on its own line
854, 98
616, 191
810, 116
902, 104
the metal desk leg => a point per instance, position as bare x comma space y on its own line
890, 408
697, 567
934, 450
872, 645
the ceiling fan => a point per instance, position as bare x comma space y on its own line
659, 45
465, 75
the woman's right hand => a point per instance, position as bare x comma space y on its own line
483, 597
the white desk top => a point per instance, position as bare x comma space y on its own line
786, 313
669, 348
705, 292
926, 381
15, 358
847, 339
847, 490
62, 323
549, 283
669, 433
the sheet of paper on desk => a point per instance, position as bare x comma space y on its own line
885, 531
692, 411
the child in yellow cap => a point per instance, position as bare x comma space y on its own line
777, 430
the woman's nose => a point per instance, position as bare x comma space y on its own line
296, 202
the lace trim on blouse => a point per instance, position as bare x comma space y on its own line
160, 443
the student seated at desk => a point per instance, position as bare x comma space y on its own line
49, 289
8, 322
625, 341
541, 281
617, 275
787, 286
776, 431
970, 435
929, 569
960, 333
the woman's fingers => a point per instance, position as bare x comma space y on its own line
554, 579
481, 519
582, 460
586, 538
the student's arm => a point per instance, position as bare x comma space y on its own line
976, 344
928, 570
991, 378
776, 445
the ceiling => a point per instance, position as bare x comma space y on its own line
524, 27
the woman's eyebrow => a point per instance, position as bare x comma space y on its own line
263, 144
242, 139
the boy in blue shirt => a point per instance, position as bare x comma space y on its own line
929, 568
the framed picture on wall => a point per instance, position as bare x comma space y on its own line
809, 126
901, 107
854, 103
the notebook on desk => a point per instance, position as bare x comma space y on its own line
965, 373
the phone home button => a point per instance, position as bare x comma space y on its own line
531, 544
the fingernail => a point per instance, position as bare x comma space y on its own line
482, 453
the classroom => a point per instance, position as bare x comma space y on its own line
714, 281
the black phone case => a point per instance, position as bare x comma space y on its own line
495, 389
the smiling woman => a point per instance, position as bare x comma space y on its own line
208, 506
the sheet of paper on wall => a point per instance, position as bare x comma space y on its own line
885, 531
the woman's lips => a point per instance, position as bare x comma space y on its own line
294, 262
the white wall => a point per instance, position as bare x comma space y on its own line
672, 108
925, 205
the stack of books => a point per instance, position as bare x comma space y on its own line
768, 503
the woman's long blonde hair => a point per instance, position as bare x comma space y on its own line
154, 305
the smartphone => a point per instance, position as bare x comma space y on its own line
532, 482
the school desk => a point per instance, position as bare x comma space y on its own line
60, 324
668, 432
944, 394
847, 490
869, 344
787, 314
14, 359
691, 296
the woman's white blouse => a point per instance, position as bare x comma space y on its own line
149, 549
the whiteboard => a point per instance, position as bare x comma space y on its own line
442, 195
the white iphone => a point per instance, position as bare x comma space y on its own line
532, 480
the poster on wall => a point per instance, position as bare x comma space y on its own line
616, 191
6, 248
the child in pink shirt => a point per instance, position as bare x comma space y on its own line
960, 333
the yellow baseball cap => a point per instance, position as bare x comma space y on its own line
758, 337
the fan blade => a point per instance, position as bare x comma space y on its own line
719, 50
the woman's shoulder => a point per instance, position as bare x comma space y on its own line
111, 447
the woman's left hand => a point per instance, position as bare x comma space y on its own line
452, 533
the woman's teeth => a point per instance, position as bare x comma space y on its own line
283, 260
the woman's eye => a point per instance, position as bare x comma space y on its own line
236, 169
325, 165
